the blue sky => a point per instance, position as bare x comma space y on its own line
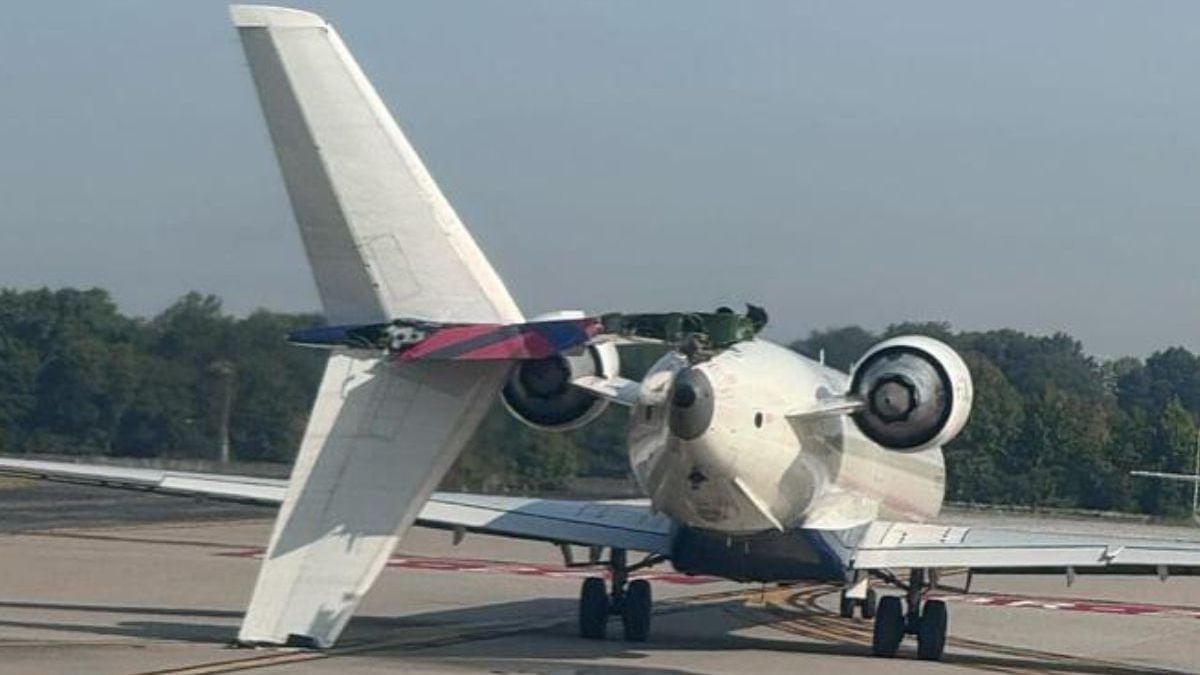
1009, 164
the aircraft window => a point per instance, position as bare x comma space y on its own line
758, 420
649, 413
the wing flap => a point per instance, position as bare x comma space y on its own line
621, 524
884, 545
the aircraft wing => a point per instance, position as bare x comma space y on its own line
894, 545
220, 487
627, 524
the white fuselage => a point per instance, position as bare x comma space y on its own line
754, 468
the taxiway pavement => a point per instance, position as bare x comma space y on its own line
89, 585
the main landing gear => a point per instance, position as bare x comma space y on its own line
927, 621
629, 600
866, 606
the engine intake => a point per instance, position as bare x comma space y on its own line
917, 392
539, 392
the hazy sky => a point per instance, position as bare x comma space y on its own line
1008, 164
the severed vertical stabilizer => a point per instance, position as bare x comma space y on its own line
383, 243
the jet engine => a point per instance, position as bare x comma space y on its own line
916, 393
540, 394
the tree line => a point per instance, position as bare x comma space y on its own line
1051, 426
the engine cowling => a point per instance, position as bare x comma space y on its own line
917, 392
539, 393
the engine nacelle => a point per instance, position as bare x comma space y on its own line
917, 392
539, 393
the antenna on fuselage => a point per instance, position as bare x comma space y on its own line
821, 356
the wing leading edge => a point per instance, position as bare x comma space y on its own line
625, 524
632, 525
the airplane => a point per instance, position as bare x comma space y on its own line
758, 464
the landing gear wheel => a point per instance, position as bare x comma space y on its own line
635, 613
931, 631
868, 605
889, 627
593, 609
846, 606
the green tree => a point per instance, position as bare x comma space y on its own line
841, 346
504, 454
1172, 449
939, 330
1171, 374
18, 387
275, 386
978, 468
1031, 363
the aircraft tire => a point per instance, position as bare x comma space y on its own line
593, 609
889, 627
636, 611
869, 604
931, 632
846, 607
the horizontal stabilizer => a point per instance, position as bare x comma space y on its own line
416, 340
411, 339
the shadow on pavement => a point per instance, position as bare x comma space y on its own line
554, 648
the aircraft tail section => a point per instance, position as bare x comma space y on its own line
382, 242
381, 238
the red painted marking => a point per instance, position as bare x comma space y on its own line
446, 337
515, 341
509, 568
524, 345
1070, 605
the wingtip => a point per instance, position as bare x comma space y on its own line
266, 16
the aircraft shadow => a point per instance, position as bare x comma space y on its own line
713, 632
707, 628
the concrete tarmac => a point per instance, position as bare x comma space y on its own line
154, 584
